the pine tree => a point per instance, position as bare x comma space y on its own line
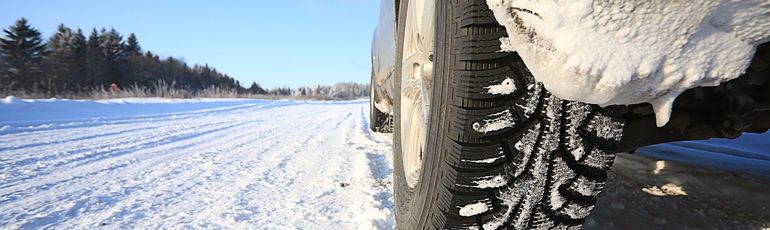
134, 60
93, 39
256, 89
95, 64
58, 41
132, 45
2, 69
77, 44
4, 83
66, 58
76, 64
112, 47
22, 50
57, 65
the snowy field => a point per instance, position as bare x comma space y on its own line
156, 163
256, 164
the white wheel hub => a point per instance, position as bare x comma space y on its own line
416, 76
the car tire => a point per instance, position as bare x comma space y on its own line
497, 157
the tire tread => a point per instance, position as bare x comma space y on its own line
573, 144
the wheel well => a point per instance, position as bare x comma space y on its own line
724, 111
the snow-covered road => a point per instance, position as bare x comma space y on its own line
240, 164
255, 164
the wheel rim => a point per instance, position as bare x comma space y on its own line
416, 77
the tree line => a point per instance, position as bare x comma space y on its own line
69, 63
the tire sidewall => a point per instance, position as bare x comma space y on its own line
413, 206
403, 194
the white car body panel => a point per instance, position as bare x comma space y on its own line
384, 56
633, 51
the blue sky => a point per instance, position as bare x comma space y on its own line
274, 43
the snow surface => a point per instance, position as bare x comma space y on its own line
158, 163
255, 164
629, 52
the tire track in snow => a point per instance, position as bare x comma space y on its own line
26, 154
126, 146
105, 125
377, 147
258, 166
155, 150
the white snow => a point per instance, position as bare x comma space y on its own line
509, 199
474, 209
498, 121
586, 187
255, 164
505, 45
606, 128
491, 182
486, 161
198, 163
669, 189
628, 52
505, 87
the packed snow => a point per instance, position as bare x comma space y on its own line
496, 122
473, 209
505, 87
629, 52
197, 163
256, 164
490, 182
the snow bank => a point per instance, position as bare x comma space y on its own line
628, 52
